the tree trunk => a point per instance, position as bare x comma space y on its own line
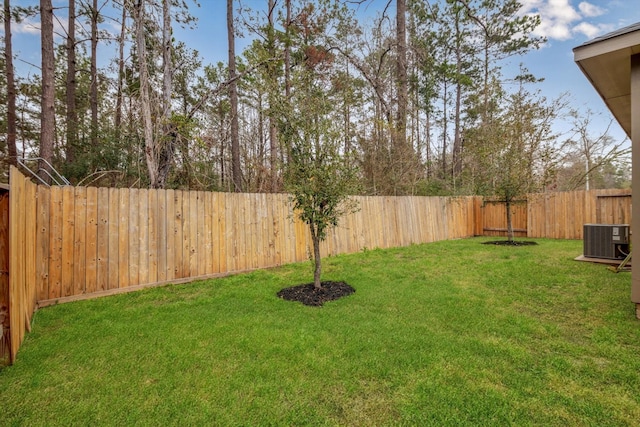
509, 220
144, 98
11, 88
401, 75
47, 117
273, 134
287, 52
233, 100
121, 42
317, 271
93, 96
169, 134
72, 115
457, 138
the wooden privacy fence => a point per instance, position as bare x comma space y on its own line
69, 243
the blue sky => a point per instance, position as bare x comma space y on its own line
565, 23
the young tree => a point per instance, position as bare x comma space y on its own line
318, 174
515, 155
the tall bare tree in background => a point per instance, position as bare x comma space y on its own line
236, 170
271, 71
144, 92
594, 151
11, 88
120, 82
72, 115
412, 94
401, 77
168, 136
93, 96
47, 117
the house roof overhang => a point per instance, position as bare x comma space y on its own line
606, 61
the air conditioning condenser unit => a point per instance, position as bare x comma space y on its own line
609, 241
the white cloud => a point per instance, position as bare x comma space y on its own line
27, 26
590, 10
560, 20
587, 29
31, 26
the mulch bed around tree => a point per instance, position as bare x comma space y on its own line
508, 243
307, 294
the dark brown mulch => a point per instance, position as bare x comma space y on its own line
508, 243
307, 294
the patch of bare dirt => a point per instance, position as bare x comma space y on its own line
307, 294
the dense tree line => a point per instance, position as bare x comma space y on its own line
426, 97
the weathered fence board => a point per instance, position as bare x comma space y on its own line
5, 345
102, 239
123, 237
91, 239
42, 249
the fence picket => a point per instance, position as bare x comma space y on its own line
143, 236
42, 254
124, 230
152, 227
91, 241
80, 241
170, 213
102, 282
134, 236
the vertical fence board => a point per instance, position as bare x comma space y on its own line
123, 237
251, 223
262, 225
5, 340
114, 238
30, 217
16, 263
134, 237
80, 241
200, 242
240, 235
186, 239
161, 235
169, 218
193, 233
207, 212
143, 236
231, 225
68, 229
222, 233
177, 233
275, 210
91, 268
42, 254
55, 243
152, 226
186, 234
102, 280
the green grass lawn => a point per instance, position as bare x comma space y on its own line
449, 333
